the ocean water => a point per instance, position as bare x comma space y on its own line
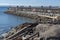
8, 20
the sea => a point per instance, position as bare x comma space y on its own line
8, 21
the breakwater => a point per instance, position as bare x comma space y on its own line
44, 15
37, 30
39, 17
23, 14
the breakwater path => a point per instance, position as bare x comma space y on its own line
39, 17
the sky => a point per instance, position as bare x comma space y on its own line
31, 2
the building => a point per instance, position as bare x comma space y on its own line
42, 9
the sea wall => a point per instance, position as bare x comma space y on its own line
24, 14
39, 17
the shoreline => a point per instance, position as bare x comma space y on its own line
22, 14
37, 16
45, 29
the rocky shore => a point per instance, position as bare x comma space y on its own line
39, 17
35, 31
45, 27
36, 13
23, 14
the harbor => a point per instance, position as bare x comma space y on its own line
30, 20
46, 26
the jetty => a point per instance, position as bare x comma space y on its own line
44, 15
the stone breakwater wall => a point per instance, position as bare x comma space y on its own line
24, 14
37, 16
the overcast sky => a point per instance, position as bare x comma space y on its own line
31, 2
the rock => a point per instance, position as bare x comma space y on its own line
47, 30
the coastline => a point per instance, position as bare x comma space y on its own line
23, 14
39, 17
33, 26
